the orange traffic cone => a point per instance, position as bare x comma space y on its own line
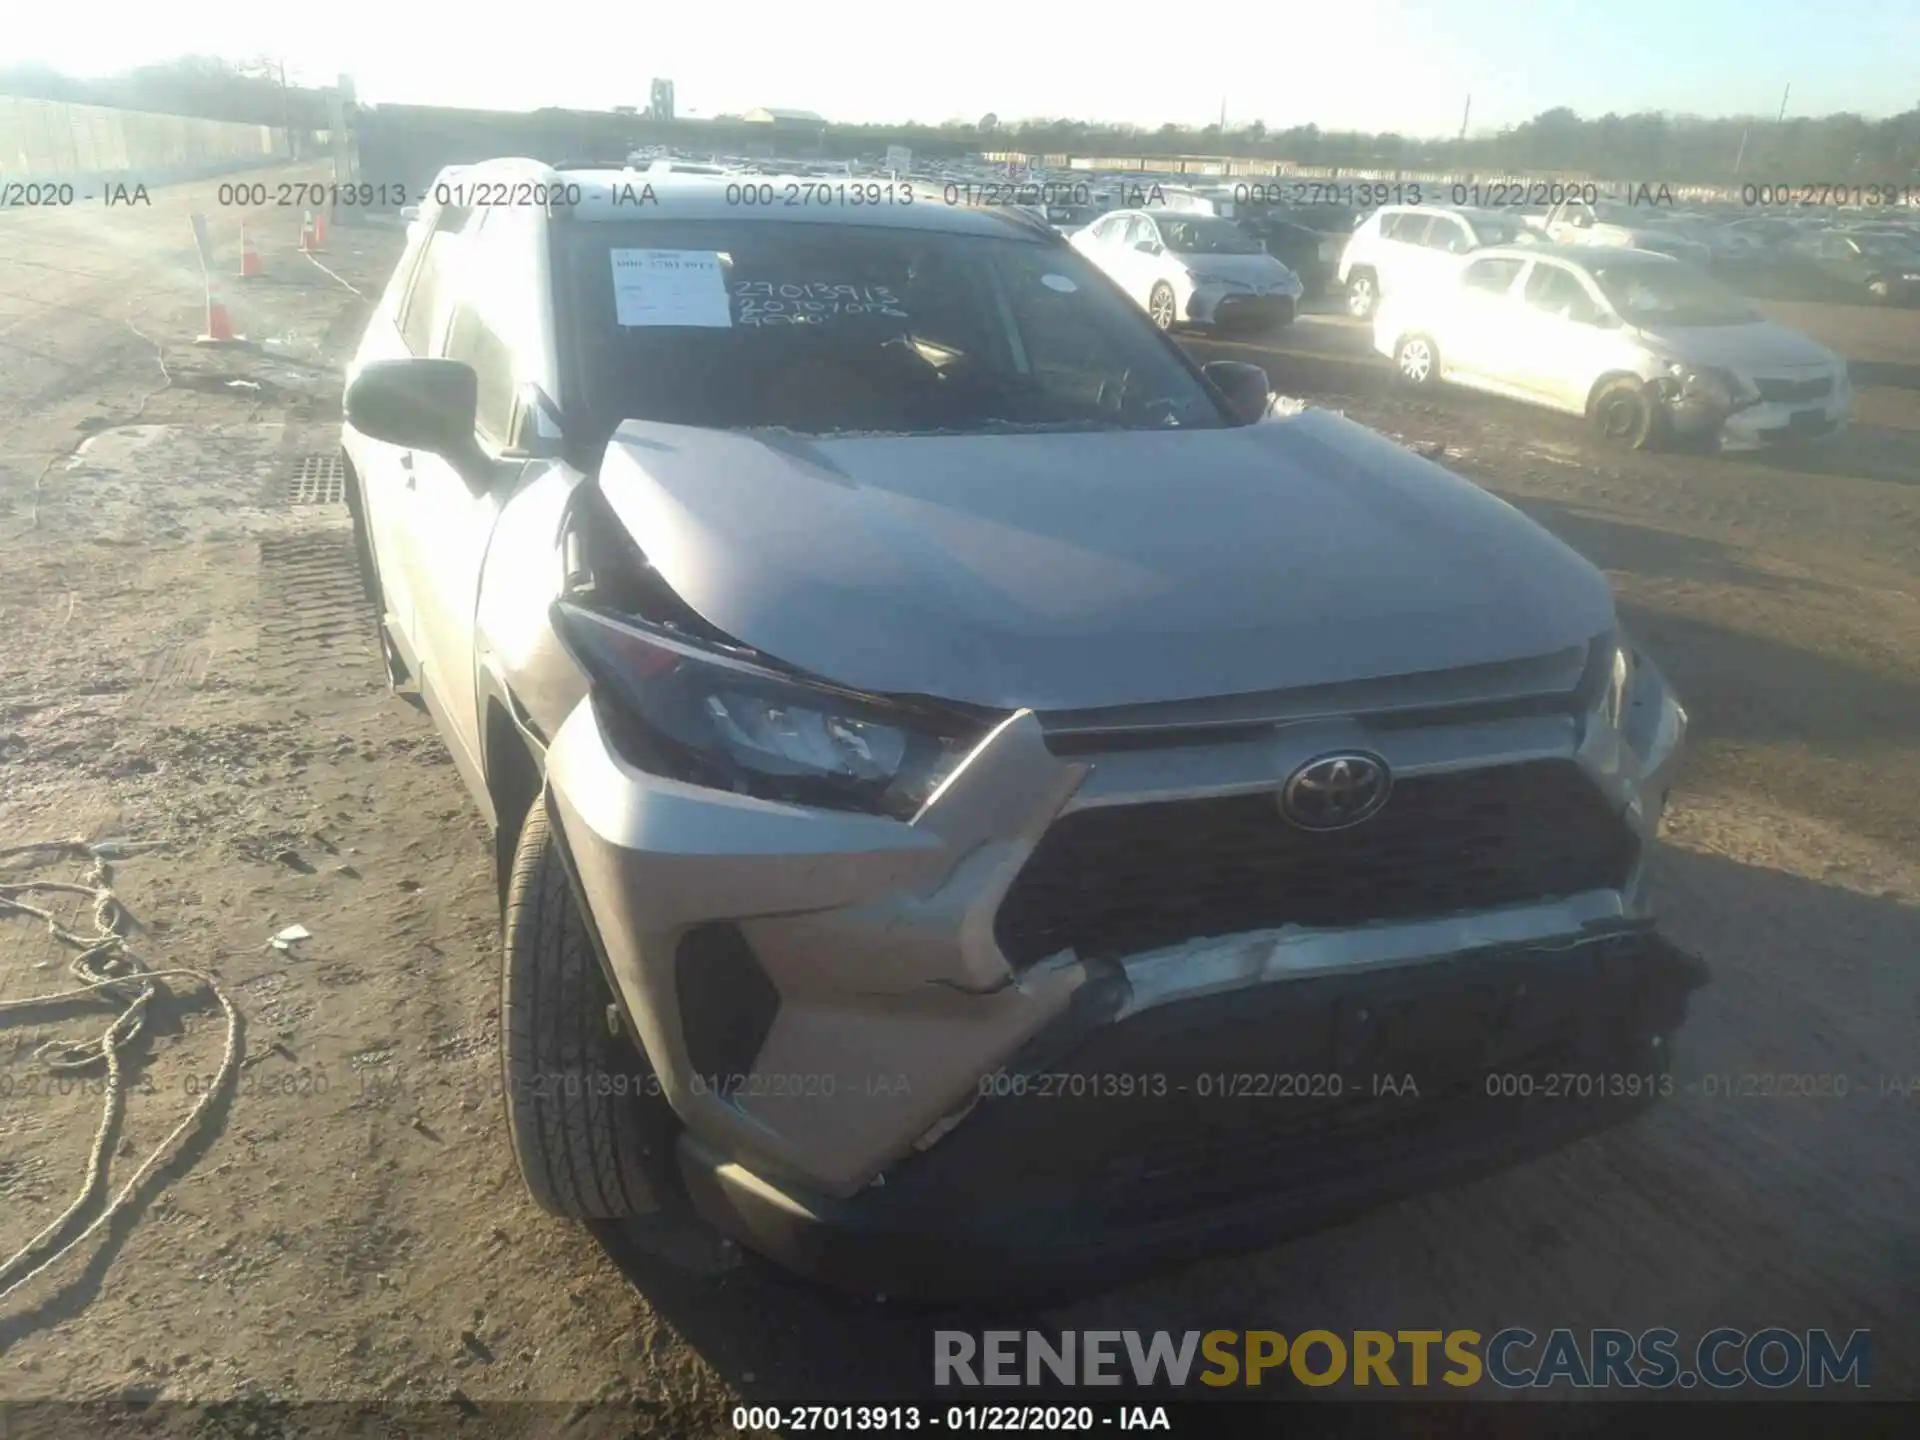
320, 230
219, 326
250, 268
306, 231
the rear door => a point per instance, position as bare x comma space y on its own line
1481, 321
1397, 253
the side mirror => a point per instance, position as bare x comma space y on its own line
1245, 387
417, 405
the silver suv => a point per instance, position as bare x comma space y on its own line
982, 804
1401, 248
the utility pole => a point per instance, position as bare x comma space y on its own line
1782, 116
1464, 115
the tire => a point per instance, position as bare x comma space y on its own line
1416, 359
1160, 305
1624, 414
583, 1154
1363, 294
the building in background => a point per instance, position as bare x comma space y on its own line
660, 101
789, 132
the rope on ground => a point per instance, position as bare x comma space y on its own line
324, 271
106, 967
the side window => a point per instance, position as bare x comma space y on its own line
1140, 229
1557, 292
426, 296
1449, 235
1109, 230
1494, 276
471, 339
1408, 227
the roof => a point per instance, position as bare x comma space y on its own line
774, 113
1467, 212
1583, 255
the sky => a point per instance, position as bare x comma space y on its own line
1378, 65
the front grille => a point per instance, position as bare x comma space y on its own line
1786, 392
1117, 880
1253, 310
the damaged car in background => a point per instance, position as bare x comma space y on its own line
980, 806
1649, 348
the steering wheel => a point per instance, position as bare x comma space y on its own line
1113, 393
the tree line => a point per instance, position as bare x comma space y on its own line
1652, 146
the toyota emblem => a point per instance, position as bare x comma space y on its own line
1335, 791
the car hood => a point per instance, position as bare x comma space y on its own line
1749, 349
1259, 269
1077, 571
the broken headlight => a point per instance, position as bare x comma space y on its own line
1636, 701
697, 713
1712, 385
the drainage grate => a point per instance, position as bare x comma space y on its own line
318, 480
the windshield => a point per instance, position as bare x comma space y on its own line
831, 329
1207, 237
1655, 295
1884, 247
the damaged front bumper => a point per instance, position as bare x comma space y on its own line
1760, 425
849, 1016
1120, 1140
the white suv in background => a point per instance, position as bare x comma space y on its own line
1402, 246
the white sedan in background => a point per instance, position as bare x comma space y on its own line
1190, 269
1645, 345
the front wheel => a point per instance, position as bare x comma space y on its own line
584, 1112
1160, 305
1624, 414
1417, 361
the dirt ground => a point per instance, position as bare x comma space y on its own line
184, 660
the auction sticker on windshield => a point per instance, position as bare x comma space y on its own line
670, 287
